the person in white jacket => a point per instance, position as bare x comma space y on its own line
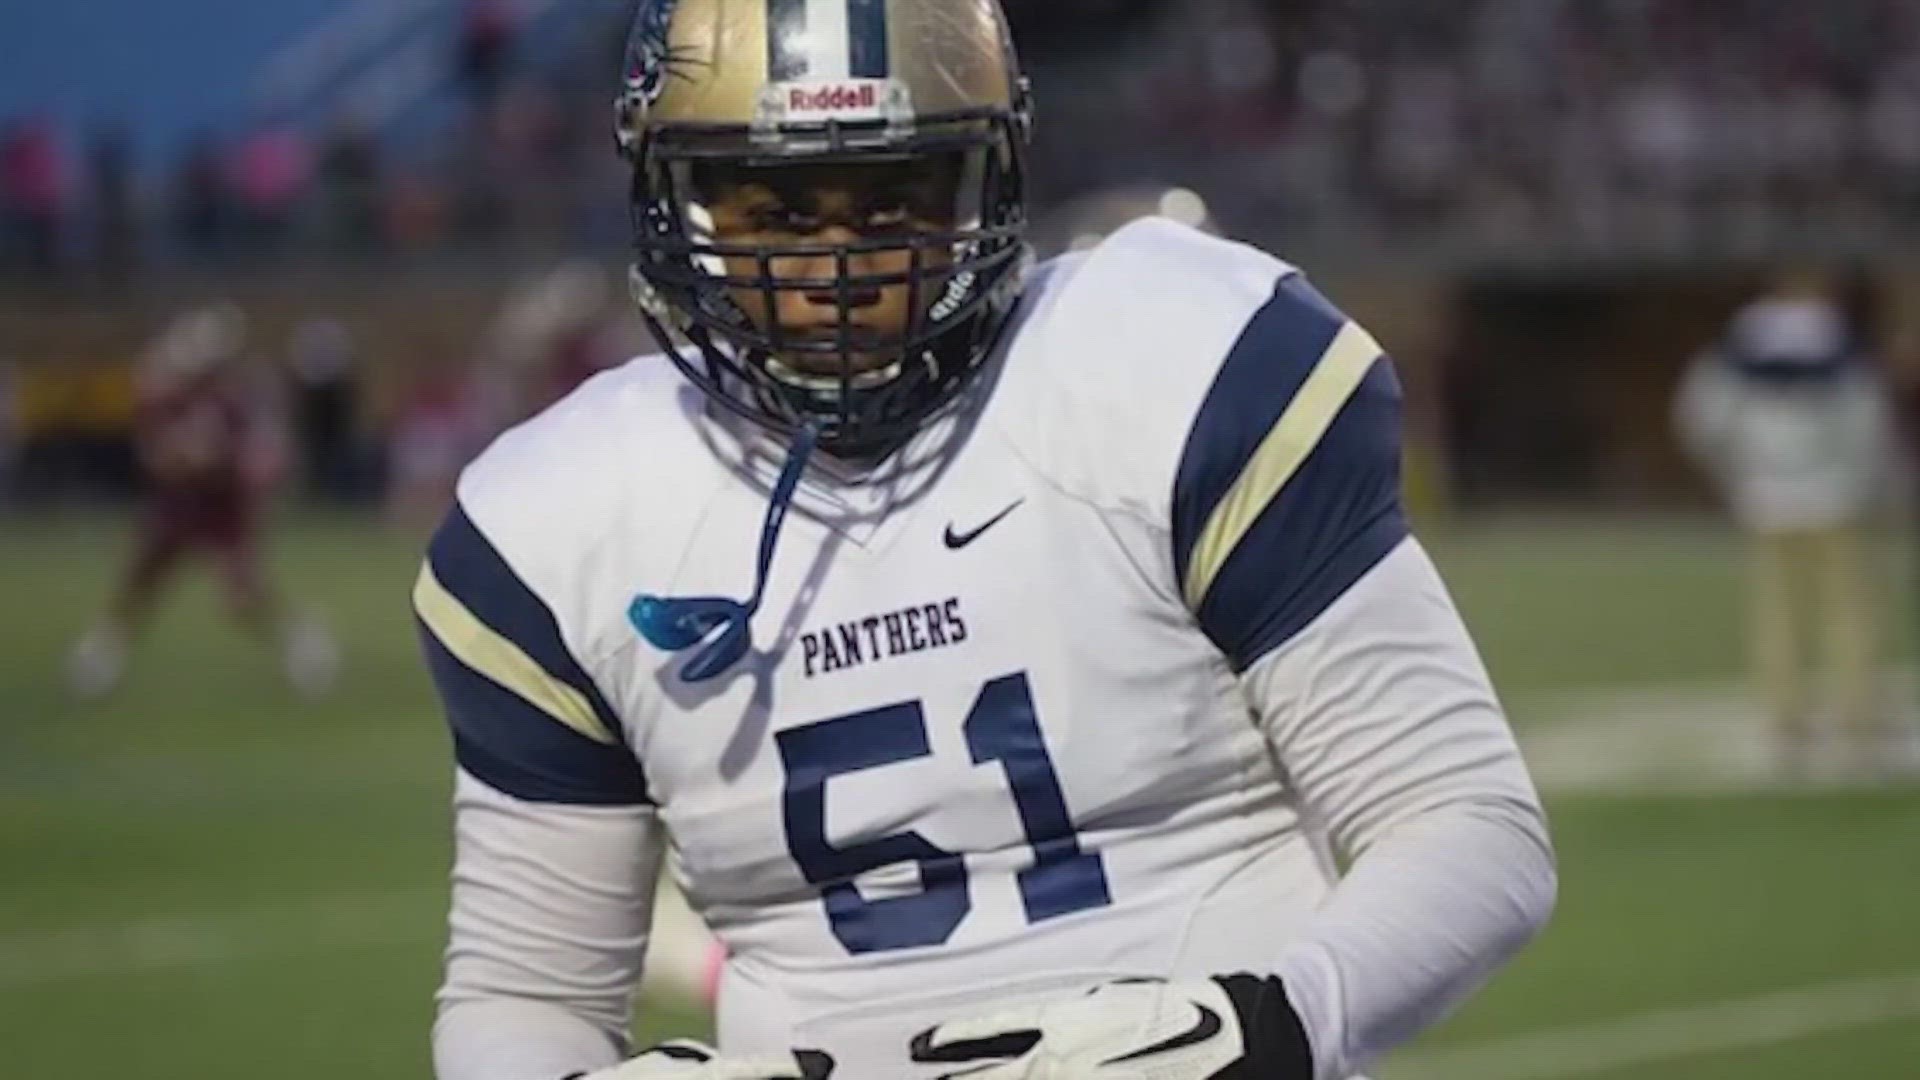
1788, 416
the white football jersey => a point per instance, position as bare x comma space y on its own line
999, 734
1792, 424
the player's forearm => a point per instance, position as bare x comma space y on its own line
1421, 921
517, 1039
1394, 741
546, 934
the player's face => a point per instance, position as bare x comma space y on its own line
888, 203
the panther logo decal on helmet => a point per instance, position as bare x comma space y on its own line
650, 61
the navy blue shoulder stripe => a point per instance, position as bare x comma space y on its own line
469, 567
526, 717
1258, 380
1334, 521
1336, 515
508, 743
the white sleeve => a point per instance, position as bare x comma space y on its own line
1705, 411
548, 931
1384, 721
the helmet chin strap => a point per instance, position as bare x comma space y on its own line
722, 629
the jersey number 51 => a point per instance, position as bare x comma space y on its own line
1001, 726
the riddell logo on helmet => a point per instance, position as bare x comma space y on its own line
836, 98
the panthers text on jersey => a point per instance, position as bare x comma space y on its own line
1106, 674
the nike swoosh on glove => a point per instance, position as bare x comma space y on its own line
684, 1059
1240, 1027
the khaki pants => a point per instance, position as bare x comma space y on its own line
1813, 597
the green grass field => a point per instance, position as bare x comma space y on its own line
206, 878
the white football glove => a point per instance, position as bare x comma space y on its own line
1234, 1028
684, 1059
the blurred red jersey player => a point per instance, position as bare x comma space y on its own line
210, 460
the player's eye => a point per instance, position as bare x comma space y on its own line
786, 219
889, 218
899, 211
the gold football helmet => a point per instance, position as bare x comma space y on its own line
719, 95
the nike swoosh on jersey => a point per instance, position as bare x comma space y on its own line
956, 541
1205, 1028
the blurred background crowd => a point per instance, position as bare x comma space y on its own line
467, 140
420, 128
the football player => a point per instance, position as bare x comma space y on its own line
209, 465
1026, 671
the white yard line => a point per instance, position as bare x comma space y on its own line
1673, 740
1673, 1034
30, 958
676, 964
139, 781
